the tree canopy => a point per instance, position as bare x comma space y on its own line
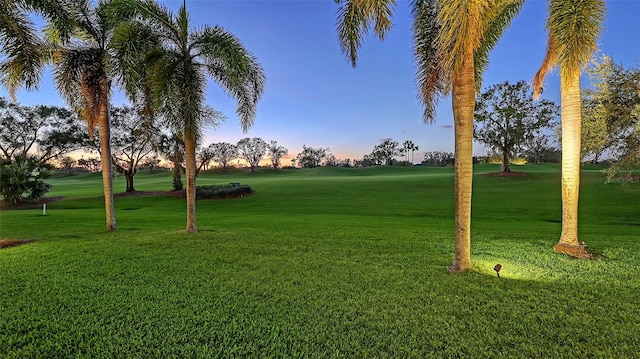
507, 116
611, 118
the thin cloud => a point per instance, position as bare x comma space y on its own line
386, 139
446, 126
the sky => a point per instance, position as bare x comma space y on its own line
314, 97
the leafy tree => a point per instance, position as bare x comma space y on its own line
171, 147
452, 41
506, 115
573, 29
595, 132
252, 150
150, 162
67, 163
204, 156
133, 137
276, 152
46, 132
347, 162
91, 164
385, 152
223, 153
330, 160
613, 103
537, 148
595, 137
369, 160
438, 159
22, 178
311, 157
180, 59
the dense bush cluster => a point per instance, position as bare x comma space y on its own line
233, 189
22, 178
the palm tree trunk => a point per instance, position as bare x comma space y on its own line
571, 135
190, 157
105, 157
463, 103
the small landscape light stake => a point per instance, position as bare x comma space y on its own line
497, 269
44, 209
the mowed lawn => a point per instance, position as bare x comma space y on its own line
321, 263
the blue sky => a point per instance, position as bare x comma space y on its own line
314, 97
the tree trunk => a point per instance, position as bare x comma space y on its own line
190, 157
105, 157
128, 175
463, 103
505, 161
571, 132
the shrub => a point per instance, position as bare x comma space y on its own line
519, 161
22, 178
233, 189
494, 159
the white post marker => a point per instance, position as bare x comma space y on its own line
44, 209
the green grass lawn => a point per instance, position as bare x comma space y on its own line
329, 262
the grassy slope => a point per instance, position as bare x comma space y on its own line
322, 263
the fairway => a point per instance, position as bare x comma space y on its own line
320, 263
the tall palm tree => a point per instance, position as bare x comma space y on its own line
452, 40
79, 37
573, 28
409, 147
82, 76
406, 147
180, 61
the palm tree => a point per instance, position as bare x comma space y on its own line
409, 147
452, 40
573, 28
180, 60
79, 37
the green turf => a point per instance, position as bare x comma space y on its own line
329, 262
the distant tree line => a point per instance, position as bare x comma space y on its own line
514, 127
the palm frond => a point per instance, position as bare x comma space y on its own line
354, 22
118, 11
231, 65
548, 63
21, 48
499, 21
132, 43
432, 82
86, 20
58, 13
161, 19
